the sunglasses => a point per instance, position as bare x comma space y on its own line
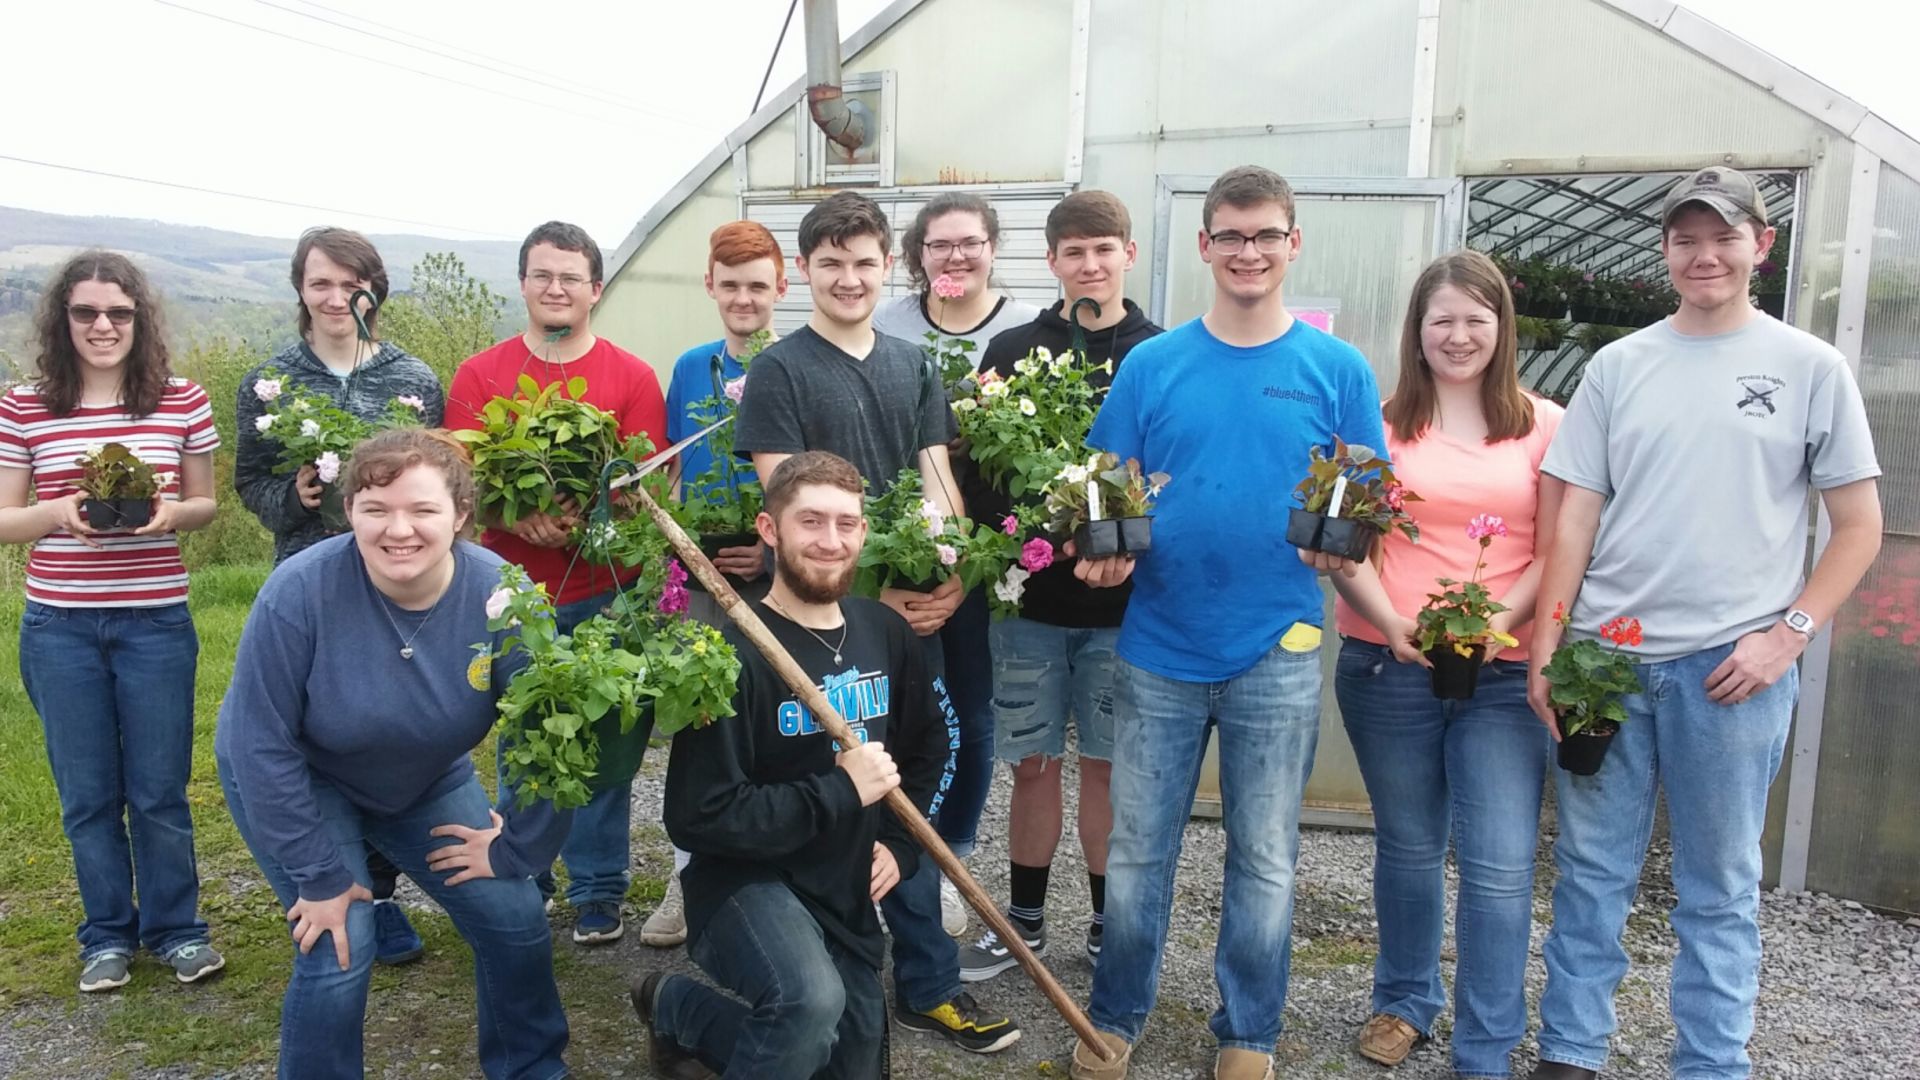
87, 315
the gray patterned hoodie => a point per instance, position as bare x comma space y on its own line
388, 374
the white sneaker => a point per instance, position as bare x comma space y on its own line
667, 926
953, 910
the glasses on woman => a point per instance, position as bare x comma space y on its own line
87, 314
969, 249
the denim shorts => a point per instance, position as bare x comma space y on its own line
1044, 674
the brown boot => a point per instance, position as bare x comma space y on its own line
1237, 1064
1387, 1039
1086, 1064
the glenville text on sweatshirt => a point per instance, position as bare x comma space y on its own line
321, 694
1054, 596
759, 797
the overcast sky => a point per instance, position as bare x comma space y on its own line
473, 118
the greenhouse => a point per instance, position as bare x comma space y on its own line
1408, 128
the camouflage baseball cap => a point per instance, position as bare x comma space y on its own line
1728, 192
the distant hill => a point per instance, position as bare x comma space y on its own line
215, 283
195, 262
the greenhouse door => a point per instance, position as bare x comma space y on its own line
1363, 242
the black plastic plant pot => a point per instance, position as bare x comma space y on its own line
1540, 309
333, 508
1136, 535
1347, 538
1303, 528
620, 752
1099, 539
1454, 676
711, 545
118, 513
1582, 754
925, 585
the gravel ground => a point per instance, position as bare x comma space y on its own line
1839, 987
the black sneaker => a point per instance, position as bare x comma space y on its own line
990, 956
1094, 931
668, 1058
965, 1023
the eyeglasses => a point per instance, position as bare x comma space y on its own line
970, 249
1266, 242
87, 314
540, 279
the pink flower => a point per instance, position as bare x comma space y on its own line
673, 600
497, 603
1037, 555
1010, 525
948, 554
946, 288
736, 389
266, 389
676, 573
1486, 526
327, 467
412, 401
1396, 497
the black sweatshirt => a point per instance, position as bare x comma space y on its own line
1054, 596
758, 797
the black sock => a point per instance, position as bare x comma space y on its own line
1097, 888
1029, 887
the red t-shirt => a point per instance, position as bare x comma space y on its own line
126, 570
617, 381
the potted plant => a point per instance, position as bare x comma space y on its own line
543, 451
911, 542
1022, 430
1455, 627
120, 487
1104, 505
1588, 680
569, 719
719, 506
311, 430
1347, 501
1534, 333
1540, 288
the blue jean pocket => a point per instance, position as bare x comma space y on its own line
167, 616
1361, 660
38, 615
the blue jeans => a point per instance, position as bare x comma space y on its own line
1473, 770
812, 1009
926, 962
1044, 674
521, 1027
967, 663
1269, 723
114, 690
598, 850
1714, 763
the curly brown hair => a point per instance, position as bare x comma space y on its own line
378, 460
143, 375
951, 202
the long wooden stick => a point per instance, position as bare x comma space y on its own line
823, 711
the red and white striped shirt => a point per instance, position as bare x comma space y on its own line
126, 570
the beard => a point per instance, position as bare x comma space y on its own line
810, 585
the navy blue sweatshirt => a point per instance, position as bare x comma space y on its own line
320, 691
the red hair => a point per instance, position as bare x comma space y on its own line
739, 242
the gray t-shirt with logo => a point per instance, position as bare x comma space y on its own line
1705, 448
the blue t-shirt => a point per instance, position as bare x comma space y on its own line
692, 382
1233, 429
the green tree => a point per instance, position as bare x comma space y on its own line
446, 317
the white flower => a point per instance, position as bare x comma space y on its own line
965, 404
1093, 461
1074, 474
327, 467
262, 423
497, 603
1045, 356
993, 389
310, 428
1025, 366
1027, 407
94, 449
266, 389
165, 480
929, 508
302, 405
948, 554
1010, 589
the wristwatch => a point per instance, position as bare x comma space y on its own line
1800, 623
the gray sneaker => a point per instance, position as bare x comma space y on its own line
990, 956
107, 971
191, 963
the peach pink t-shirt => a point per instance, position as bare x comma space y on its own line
1458, 481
